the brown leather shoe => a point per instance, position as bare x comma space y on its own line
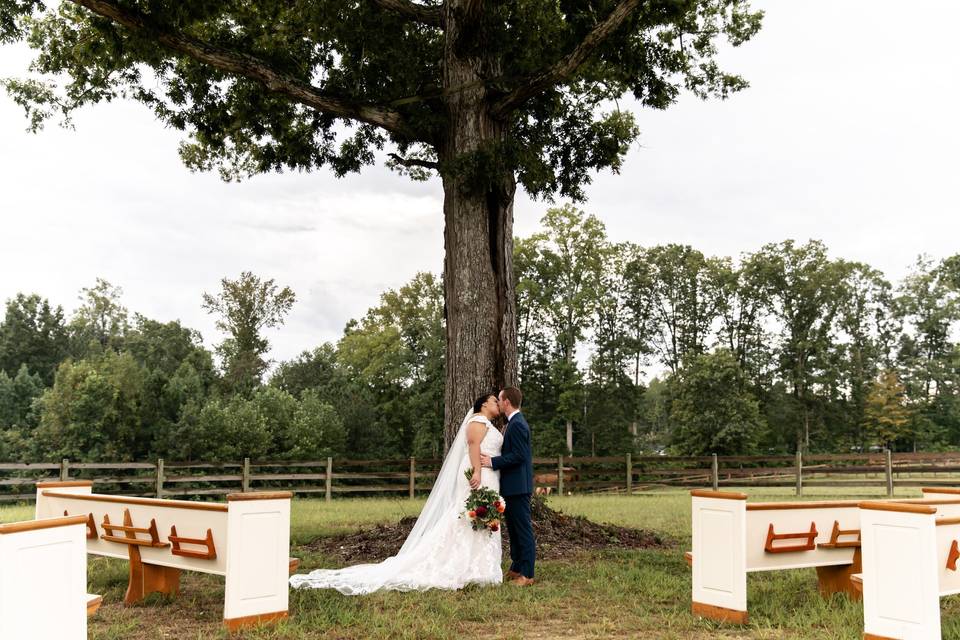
523, 581
511, 575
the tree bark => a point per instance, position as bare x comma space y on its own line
478, 232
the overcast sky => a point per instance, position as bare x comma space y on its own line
849, 133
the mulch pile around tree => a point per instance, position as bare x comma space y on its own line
558, 536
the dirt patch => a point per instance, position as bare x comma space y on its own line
558, 536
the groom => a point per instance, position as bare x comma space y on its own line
516, 486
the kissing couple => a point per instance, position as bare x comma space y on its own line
443, 551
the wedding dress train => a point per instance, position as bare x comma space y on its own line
442, 550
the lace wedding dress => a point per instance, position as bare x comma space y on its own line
442, 550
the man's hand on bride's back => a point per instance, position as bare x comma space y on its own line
485, 461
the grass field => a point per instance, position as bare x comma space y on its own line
610, 594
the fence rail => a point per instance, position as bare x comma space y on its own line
413, 476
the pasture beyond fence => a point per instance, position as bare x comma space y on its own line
412, 476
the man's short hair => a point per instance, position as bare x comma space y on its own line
513, 395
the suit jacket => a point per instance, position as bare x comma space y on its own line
515, 461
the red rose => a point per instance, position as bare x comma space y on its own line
481, 511
494, 526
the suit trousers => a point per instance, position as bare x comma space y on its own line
523, 544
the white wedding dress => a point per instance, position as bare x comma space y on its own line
442, 551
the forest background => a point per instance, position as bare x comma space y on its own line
622, 348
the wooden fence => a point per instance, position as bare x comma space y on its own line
412, 477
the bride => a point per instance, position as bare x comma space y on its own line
442, 550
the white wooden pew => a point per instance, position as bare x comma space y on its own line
43, 579
910, 556
246, 540
732, 537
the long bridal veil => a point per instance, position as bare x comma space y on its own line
400, 572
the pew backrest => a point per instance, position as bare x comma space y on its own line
43, 579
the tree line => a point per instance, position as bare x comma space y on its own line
620, 348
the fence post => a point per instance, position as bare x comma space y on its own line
160, 477
889, 470
629, 474
329, 479
413, 477
64, 470
715, 473
799, 472
560, 474
245, 477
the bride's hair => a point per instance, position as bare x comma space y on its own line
478, 403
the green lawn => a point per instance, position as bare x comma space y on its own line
613, 594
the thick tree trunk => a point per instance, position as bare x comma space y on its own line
478, 232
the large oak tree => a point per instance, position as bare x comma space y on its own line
486, 95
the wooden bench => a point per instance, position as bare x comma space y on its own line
246, 540
43, 579
910, 561
732, 537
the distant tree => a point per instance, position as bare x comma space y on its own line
929, 304
33, 334
315, 432
684, 294
886, 416
744, 309
100, 322
806, 291
17, 395
93, 411
244, 308
222, 429
712, 411
397, 350
316, 369
571, 256
166, 346
870, 328
487, 95
612, 396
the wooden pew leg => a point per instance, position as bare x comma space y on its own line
149, 578
837, 579
93, 604
720, 614
234, 624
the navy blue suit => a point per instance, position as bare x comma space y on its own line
515, 464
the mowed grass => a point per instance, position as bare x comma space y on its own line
610, 594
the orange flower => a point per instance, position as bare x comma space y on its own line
500, 507
472, 514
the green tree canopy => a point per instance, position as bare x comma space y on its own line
244, 308
32, 333
487, 95
712, 411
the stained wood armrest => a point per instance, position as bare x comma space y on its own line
294, 564
688, 557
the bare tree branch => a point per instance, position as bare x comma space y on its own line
251, 67
432, 16
566, 67
414, 162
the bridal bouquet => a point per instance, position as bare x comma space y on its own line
484, 507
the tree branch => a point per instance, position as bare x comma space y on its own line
414, 162
431, 16
566, 67
248, 66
